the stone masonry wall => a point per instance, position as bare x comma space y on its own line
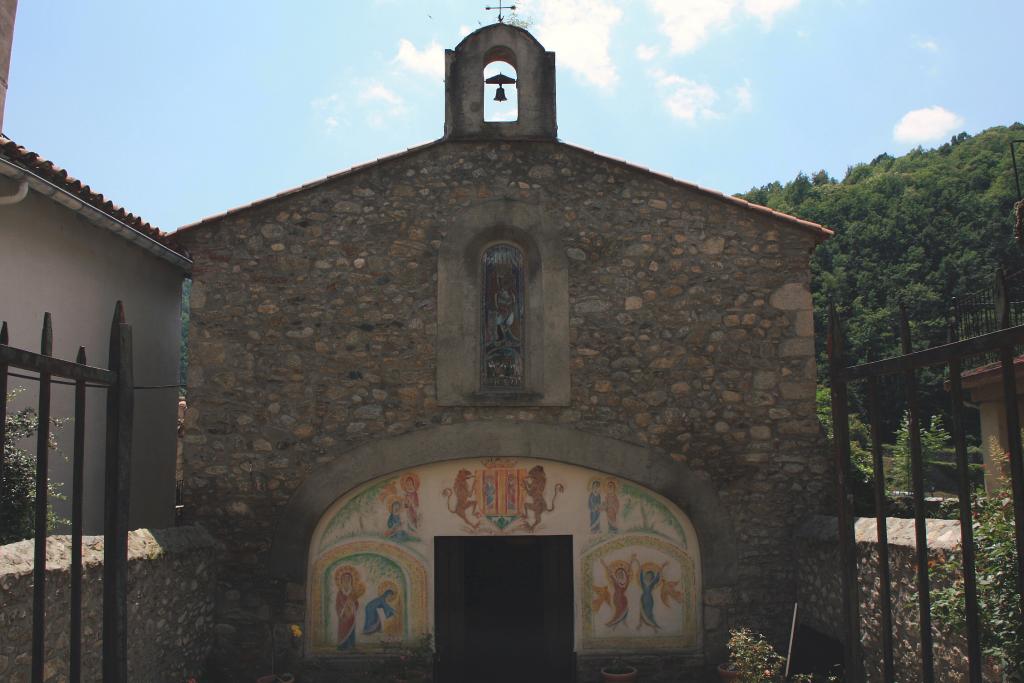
820, 594
313, 332
170, 606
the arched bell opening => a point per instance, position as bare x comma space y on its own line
501, 87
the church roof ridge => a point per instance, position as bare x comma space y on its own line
823, 231
819, 230
306, 186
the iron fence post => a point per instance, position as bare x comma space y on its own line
115, 530
847, 540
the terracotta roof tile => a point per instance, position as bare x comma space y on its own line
979, 375
59, 177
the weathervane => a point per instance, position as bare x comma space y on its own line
501, 7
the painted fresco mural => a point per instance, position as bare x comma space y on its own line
636, 559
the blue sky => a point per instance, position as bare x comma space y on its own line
182, 110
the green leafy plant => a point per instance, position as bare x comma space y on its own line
753, 657
756, 661
17, 488
935, 441
999, 604
860, 435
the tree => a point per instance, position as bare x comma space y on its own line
917, 229
17, 488
935, 441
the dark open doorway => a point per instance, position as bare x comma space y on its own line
503, 608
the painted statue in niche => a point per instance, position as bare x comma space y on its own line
346, 604
502, 317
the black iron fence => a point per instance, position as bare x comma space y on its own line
975, 314
998, 341
117, 381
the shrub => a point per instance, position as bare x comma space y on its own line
17, 488
756, 661
999, 603
753, 657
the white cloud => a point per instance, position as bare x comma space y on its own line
381, 103
765, 10
744, 96
928, 45
429, 61
689, 23
580, 32
464, 31
925, 125
330, 110
686, 99
375, 92
646, 53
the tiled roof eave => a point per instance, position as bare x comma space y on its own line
94, 215
47, 179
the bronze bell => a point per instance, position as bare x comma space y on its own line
500, 80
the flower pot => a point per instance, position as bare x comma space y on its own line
609, 677
727, 674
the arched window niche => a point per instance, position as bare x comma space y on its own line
501, 87
502, 308
503, 318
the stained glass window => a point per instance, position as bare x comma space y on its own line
502, 316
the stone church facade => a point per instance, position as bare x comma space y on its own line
499, 338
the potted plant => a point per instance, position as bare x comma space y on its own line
618, 671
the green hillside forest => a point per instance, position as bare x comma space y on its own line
918, 229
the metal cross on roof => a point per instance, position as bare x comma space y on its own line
501, 7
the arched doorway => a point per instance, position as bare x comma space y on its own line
506, 560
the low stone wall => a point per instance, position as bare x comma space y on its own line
170, 606
820, 594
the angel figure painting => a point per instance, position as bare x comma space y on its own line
639, 588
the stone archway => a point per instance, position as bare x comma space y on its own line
693, 493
